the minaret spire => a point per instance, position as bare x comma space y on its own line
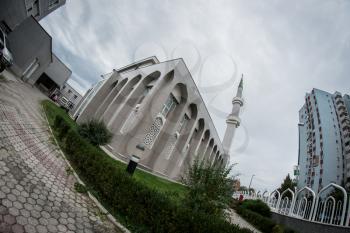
233, 121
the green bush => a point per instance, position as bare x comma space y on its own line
210, 188
95, 132
61, 126
80, 188
262, 223
147, 209
257, 206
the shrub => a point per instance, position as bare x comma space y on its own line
210, 188
143, 209
95, 132
80, 188
262, 223
257, 206
148, 209
61, 126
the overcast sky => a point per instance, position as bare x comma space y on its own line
283, 48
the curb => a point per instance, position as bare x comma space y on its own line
92, 197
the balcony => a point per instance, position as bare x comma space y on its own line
338, 97
341, 107
339, 101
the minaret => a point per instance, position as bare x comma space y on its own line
233, 121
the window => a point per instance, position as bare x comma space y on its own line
147, 90
64, 86
69, 91
153, 132
169, 105
183, 122
75, 96
53, 3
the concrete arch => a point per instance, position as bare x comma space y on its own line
127, 116
154, 155
100, 92
196, 138
113, 108
209, 150
203, 144
112, 93
213, 154
180, 156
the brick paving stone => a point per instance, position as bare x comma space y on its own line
36, 193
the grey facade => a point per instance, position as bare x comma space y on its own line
58, 71
72, 95
14, 12
324, 141
31, 48
54, 77
31, 45
156, 113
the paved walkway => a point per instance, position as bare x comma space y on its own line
238, 220
36, 193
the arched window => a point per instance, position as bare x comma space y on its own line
169, 105
158, 123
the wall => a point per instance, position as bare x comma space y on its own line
303, 226
27, 42
13, 12
58, 71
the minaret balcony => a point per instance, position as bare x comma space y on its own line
237, 100
235, 120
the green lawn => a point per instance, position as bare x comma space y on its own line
174, 190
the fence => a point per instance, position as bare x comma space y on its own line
330, 205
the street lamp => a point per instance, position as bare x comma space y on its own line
251, 179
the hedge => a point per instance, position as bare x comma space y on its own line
262, 223
146, 209
258, 214
257, 206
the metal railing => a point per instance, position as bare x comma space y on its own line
331, 205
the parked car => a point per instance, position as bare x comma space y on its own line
6, 58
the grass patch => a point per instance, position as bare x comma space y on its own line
80, 188
174, 190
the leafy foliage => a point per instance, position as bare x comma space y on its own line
287, 183
95, 132
210, 188
143, 209
80, 188
61, 126
257, 206
262, 223
258, 215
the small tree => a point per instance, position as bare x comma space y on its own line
95, 132
287, 183
210, 188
